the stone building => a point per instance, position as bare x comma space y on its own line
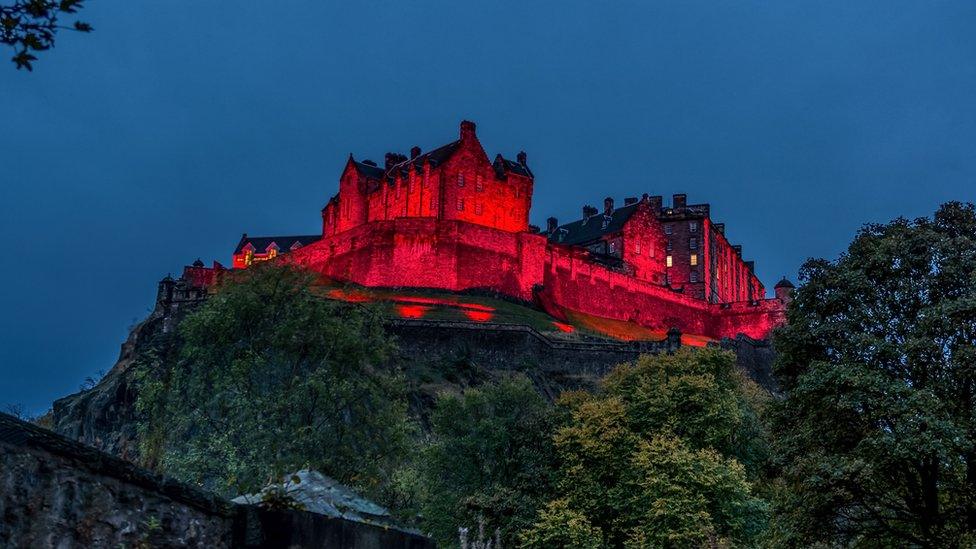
453, 219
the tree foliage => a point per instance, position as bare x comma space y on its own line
656, 458
270, 378
30, 26
489, 457
876, 434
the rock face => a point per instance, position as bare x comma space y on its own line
435, 355
104, 417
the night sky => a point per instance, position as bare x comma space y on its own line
178, 125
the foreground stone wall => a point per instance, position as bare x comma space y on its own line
58, 493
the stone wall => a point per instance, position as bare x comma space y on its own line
55, 492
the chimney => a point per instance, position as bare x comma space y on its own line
589, 211
414, 151
467, 130
521, 157
391, 159
608, 206
655, 203
679, 201
551, 225
630, 200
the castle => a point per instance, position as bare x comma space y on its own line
453, 219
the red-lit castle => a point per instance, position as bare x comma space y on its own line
453, 219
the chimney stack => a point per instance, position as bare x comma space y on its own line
679, 201
414, 151
521, 157
551, 225
608, 206
391, 159
467, 130
589, 211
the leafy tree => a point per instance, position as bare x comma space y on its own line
269, 379
876, 434
654, 458
30, 26
489, 456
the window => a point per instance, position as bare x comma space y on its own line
670, 262
460, 204
692, 243
477, 208
478, 184
693, 226
460, 181
694, 259
637, 247
694, 276
612, 247
433, 204
669, 244
667, 229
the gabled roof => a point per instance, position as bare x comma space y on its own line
579, 232
503, 165
434, 157
284, 243
368, 170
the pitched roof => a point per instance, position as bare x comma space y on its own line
503, 164
579, 232
284, 243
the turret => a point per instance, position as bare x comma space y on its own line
784, 290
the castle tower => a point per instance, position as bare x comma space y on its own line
784, 291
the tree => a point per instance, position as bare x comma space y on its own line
30, 26
653, 459
271, 378
489, 457
876, 434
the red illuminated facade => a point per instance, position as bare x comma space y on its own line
453, 219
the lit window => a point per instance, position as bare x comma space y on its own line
612, 247
460, 181
693, 226
272, 253
460, 204
693, 243
694, 259
667, 229
670, 262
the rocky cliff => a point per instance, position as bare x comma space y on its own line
434, 355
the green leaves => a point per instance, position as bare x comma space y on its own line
31, 25
271, 379
876, 434
657, 458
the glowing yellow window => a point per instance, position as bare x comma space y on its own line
694, 259
669, 261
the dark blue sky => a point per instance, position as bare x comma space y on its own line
178, 125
